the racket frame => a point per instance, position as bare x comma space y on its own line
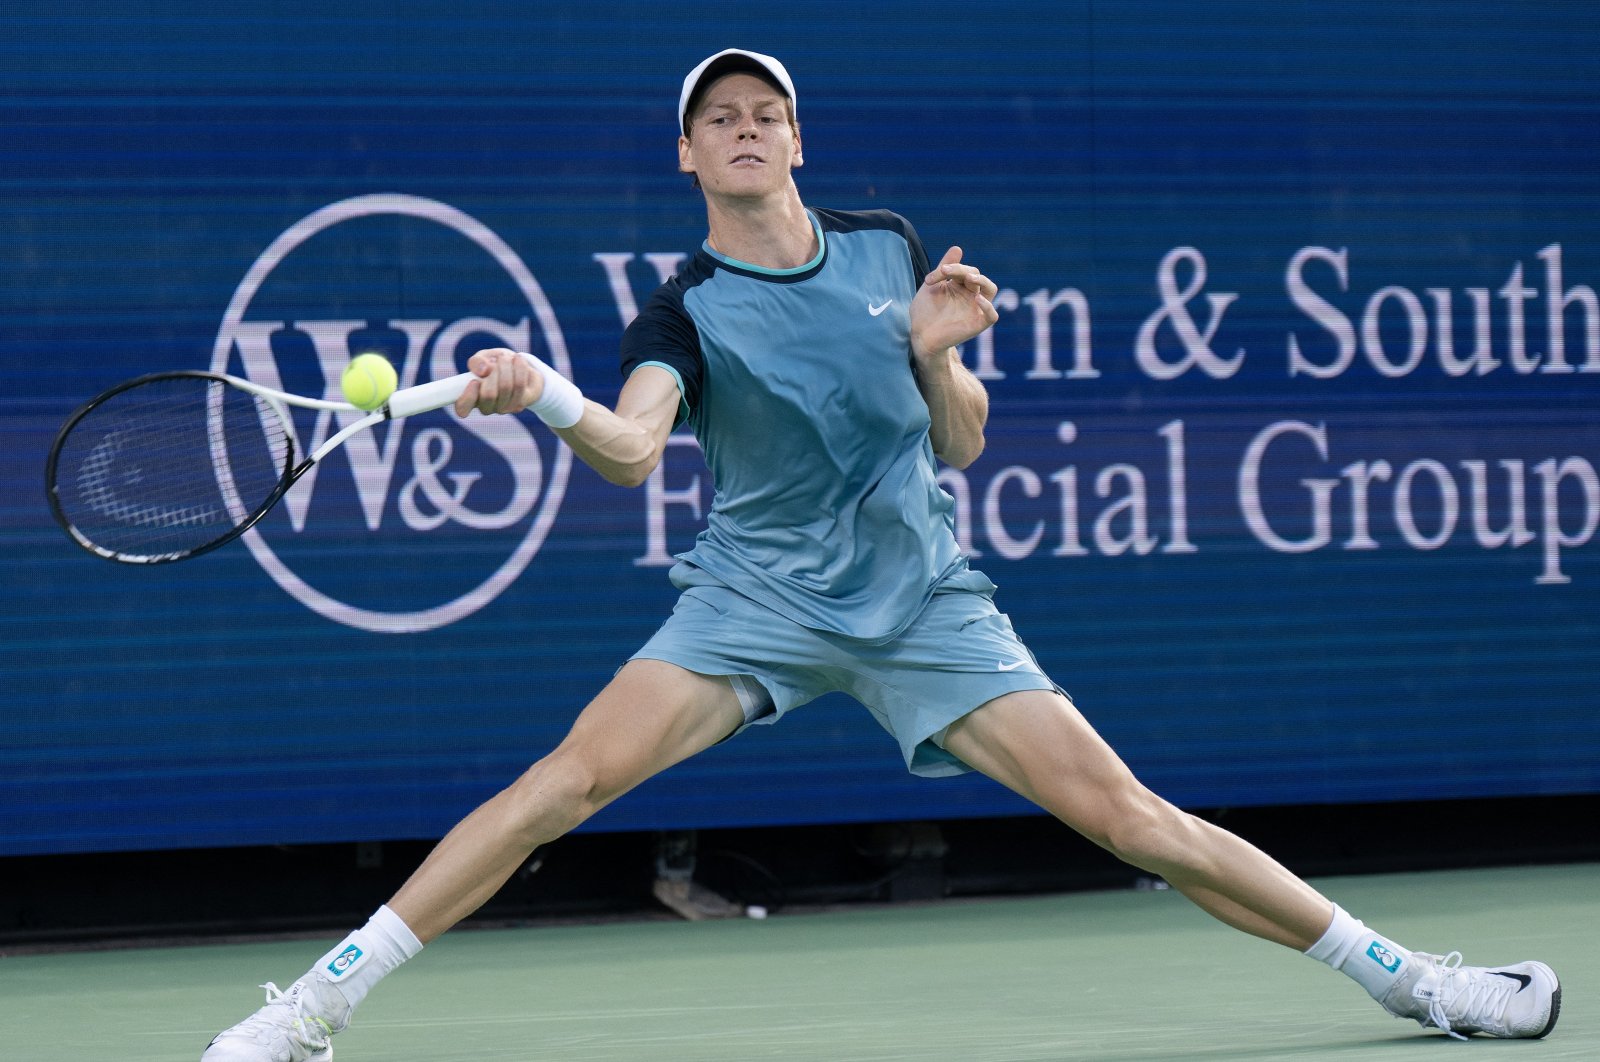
406, 402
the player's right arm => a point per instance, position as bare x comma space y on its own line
624, 445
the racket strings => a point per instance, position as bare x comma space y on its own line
170, 466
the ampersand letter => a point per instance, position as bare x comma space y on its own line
1175, 308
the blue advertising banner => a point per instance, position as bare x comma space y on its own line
1291, 469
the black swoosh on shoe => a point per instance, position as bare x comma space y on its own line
1523, 978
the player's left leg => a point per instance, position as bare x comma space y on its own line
1038, 744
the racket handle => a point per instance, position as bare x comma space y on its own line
424, 397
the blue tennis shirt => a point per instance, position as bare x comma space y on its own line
799, 385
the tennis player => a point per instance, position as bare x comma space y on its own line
813, 353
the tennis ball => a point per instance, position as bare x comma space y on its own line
368, 381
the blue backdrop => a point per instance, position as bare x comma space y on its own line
1291, 469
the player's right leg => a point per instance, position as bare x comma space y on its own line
651, 716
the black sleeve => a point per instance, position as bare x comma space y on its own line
853, 220
920, 266
664, 333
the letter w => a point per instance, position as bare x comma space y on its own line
371, 468
615, 263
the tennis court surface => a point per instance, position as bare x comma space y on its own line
1106, 976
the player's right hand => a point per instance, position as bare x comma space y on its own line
507, 383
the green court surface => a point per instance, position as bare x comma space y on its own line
1104, 976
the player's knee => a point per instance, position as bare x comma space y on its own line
554, 796
1142, 829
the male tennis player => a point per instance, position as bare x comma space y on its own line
813, 353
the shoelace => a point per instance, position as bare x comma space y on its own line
1467, 996
311, 1031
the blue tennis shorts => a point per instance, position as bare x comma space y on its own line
958, 654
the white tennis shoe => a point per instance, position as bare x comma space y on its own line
1520, 1001
294, 1026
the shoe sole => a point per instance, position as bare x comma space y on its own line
1555, 1012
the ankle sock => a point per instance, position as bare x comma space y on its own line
362, 959
1370, 959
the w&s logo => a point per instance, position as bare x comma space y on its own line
426, 285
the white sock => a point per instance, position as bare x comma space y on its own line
362, 959
1370, 959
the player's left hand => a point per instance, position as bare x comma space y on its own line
506, 383
951, 307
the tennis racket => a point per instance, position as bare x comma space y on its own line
174, 464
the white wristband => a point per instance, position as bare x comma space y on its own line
560, 405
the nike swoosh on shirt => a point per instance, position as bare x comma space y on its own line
1013, 665
876, 310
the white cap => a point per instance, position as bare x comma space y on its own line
730, 61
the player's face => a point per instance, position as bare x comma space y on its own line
741, 141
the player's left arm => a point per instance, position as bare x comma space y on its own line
952, 306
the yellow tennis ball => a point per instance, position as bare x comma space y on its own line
368, 381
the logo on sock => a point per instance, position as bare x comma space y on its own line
345, 961
1383, 957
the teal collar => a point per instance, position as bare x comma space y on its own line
822, 247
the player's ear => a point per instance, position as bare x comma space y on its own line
685, 163
799, 157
